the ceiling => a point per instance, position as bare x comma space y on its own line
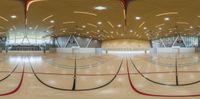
157, 18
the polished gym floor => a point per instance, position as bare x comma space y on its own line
33, 75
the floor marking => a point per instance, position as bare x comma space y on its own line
176, 69
62, 89
159, 83
75, 77
121, 74
19, 85
152, 95
16, 66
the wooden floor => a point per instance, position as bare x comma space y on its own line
87, 76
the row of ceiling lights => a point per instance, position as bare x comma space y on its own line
99, 23
100, 8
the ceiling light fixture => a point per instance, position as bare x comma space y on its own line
119, 25
52, 21
110, 24
167, 13
3, 18
90, 24
166, 19
186, 23
86, 13
13, 16
99, 23
70, 22
83, 26
137, 18
141, 24
47, 18
100, 8
160, 25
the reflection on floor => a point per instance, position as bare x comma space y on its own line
88, 76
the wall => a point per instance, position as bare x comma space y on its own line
78, 50
175, 50
126, 43
182, 41
71, 41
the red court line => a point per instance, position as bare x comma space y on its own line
18, 87
73, 88
149, 94
148, 73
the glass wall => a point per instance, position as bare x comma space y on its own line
30, 38
182, 41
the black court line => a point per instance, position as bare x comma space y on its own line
75, 76
78, 67
88, 57
65, 89
166, 64
121, 74
135, 89
159, 83
10, 73
176, 71
148, 78
92, 56
18, 86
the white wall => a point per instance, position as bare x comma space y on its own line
64, 50
75, 50
87, 50
187, 50
175, 50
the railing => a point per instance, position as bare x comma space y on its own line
25, 48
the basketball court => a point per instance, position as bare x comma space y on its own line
102, 49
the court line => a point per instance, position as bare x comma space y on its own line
75, 77
164, 64
176, 73
88, 57
147, 73
89, 89
18, 86
72, 67
152, 95
78, 67
10, 73
159, 83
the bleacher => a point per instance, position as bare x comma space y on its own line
25, 48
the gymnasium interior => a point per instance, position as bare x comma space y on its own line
102, 49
